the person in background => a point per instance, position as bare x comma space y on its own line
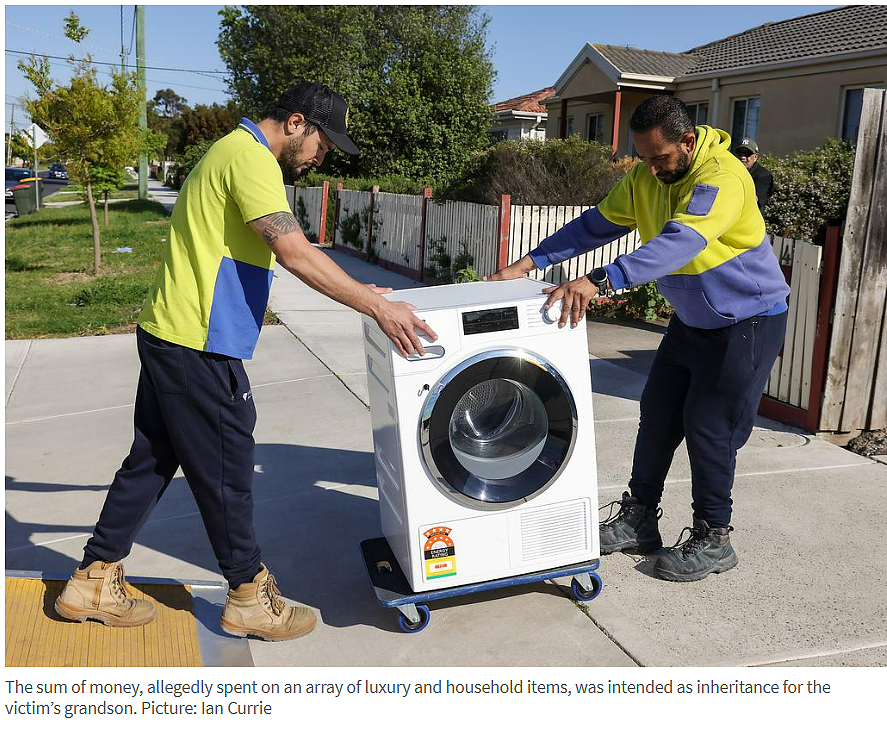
747, 152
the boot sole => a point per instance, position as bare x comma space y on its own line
82, 615
627, 545
240, 631
717, 569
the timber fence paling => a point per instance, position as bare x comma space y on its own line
312, 207
531, 224
851, 388
352, 203
453, 228
862, 411
399, 229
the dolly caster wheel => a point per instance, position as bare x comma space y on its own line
584, 595
409, 626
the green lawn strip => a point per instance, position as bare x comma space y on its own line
76, 196
50, 291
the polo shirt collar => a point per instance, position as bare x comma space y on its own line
249, 126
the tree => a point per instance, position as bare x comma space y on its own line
164, 112
21, 147
418, 79
95, 127
106, 180
206, 122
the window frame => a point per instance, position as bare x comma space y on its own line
842, 107
745, 133
588, 118
695, 106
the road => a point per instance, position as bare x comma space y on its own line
49, 187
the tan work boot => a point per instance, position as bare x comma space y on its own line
100, 592
257, 609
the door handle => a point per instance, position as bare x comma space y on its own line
432, 352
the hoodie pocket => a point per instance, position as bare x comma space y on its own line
694, 309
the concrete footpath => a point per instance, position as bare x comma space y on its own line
809, 516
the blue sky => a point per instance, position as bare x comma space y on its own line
532, 44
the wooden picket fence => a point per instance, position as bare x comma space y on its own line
792, 374
309, 207
455, 229
531, 224
856, 385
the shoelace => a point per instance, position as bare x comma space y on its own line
272, 594
118, 585
694, 541
622, 509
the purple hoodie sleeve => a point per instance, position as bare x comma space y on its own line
589, 231
676, 245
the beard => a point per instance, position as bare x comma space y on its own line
680, 170
290, 159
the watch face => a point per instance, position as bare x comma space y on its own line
599, 276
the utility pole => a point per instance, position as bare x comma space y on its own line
11, 133
143, 110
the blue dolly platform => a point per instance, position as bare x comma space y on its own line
393, 591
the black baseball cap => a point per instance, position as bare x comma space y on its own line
322, 106
747, 144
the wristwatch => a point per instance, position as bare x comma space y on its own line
598, 277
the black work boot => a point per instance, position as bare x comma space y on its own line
706, 551
634, 527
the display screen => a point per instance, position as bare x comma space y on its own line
489, 321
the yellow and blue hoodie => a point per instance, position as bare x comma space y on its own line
705, 241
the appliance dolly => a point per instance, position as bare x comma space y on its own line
393, 591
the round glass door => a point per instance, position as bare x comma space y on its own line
498, 429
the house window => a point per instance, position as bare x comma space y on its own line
595, 127
569, 126
853, 111
498, 135
746, 113
698, 113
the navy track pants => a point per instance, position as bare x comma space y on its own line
193, 410
705, 387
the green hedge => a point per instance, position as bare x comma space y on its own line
811, 189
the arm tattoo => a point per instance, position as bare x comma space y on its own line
275, 225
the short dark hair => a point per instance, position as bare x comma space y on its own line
280, 115
665, 112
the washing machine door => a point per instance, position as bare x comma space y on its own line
498, 429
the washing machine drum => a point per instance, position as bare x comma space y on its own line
498, 429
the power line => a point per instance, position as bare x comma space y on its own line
106, 63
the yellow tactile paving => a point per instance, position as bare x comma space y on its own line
37, 637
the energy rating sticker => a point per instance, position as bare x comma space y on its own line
440, 553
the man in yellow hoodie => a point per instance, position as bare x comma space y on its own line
705, 244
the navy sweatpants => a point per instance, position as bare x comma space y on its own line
193, 410
704, 386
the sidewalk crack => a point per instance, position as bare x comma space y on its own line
327, 366
18, 372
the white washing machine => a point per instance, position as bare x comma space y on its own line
484, 447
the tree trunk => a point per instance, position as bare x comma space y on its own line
94, 219
106, 207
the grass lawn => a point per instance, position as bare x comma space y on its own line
50, 291
73, 192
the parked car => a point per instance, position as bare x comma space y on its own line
14, 176
58, 172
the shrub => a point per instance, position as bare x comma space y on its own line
553, 172
810, 189
641, 303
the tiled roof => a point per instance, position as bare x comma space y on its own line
649, 63
527, 103
842, 30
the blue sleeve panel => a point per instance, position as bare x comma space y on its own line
589, 231
676, 245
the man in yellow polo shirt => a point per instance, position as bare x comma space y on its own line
194, 407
